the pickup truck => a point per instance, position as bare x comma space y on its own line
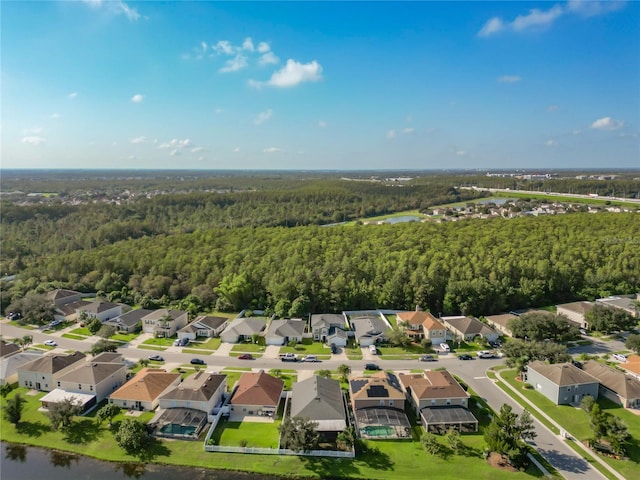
289, 357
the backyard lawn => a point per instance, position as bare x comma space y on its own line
247, 434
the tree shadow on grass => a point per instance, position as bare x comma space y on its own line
32, 429
152, 450
83, 431
374, 457
328, 467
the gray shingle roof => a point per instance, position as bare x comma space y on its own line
320, 320
318, 398
130, 318
52, 363
92, 373
197, 388
468, 325
562, 374
286, 328
624, 385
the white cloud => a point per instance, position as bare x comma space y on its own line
219, 110
508, 79
263, 47
268, 59
197, 149
204, 46
223, 46
137, 140
262, 117
408, 130
272, 150
553, 108
551, 143
391, 134
577, 132
461, 153
536, 19
55, 116
592, 8
131, 157
174, 152
236, 150
72, 95
607, 123
117, 7
248, 44
292, 74
33, 140
492, 26
322, 123
176, 143
234, 64
137, 98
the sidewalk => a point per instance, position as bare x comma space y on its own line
533, 407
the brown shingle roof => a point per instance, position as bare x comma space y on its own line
613, 379
146, 386
258, 389
433, 384
378, 385
92, 373
426, 319
197, 388
61, 293
8, 348
562, 374
52, 363
577, 307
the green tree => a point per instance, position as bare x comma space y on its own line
344, 371
606, 319
26, 341
103, 345
587, 403
324, 373
299, 434
5, 390
61, 413
453, 439
132, 436
94, 325
540, 326
108, 412
507, 433
430, 443
106, 331
617, 433
346, 439
397, 336
13, 409
35, 309
633, 342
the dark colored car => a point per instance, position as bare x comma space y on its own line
197, 361
465, 357
334, 349
156, 358
371, 366
427, 358
245, 356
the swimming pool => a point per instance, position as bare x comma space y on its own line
378, 431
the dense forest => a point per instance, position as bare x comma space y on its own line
472, 267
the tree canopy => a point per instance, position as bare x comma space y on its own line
299, 434
543, 325
606, 319
507, 433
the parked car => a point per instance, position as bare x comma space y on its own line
584, 332
373, 350
310, 358
181, 342
465, 356
197, 361
156, 358
289, 357
427, 358
486, 354
50, 343
445, 347
372, 366
334, 349
245, 356
620, 357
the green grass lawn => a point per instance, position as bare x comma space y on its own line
124, 337
206, 344
576, 422
84, 331
288, 378
151, 347
196, 351
411, 351
42, 346
315, 348
159, 342
73, 336
247, 348
383, 460
26, 326
392, 319
262, 435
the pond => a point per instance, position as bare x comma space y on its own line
403, 218
26, 463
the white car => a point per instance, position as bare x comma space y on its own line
50, 343
445, 347
620, 357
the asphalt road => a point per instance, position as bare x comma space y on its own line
552, 447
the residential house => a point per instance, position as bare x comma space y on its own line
164, 322
632, 365
614, 384
243, 329
7, 349
103, 311
320, 400
257, 394
322, 323
283, 331
62, 296
439, 400
203, 326
43, 373
575, 312
142, 392
562, 383
129, 322
467, 328
628, 303
337, 336
9, 365
501, 322
369, 329
378, 404
94, 377
202, 391
424, 325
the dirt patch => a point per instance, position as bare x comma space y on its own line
498, 461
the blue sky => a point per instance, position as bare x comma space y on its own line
326, 85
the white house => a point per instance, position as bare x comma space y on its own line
283, 331
164, 322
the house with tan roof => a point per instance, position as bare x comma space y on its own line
439, 400
285, 330
562, 383
423, 325
206, 326
241, 329
94, 378
7, 349
9, 365
202, 391
575, 312
103, 311
469, 328
142, 392
256, 394
614, 384
130, 321
501, 322
164, 322
63, 296
43, 373
369, 328
324, 326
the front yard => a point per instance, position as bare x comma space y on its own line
248, 348
206, 344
